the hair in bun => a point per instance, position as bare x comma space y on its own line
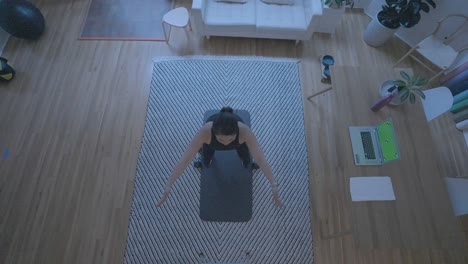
226, 109
226, 122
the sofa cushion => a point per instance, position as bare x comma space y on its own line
281, 17
230, 14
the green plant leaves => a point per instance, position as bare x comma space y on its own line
405, 76
399, 83
425, 7
431, 3
403, 12
419, 92
388, 17
420, 81
404, 95
407, 89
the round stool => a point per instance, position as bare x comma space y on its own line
178, 17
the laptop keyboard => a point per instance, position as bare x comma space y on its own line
367, 145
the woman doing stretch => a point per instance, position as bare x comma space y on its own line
223, 131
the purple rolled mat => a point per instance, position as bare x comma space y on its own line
456, 71
457, 79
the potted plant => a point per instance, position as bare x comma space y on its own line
395, 13
405, 89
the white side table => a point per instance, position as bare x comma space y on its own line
178, 17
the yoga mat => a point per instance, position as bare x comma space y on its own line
462, 125
125, 20
182, 90
454, 72
457, 79
460, 97
460, 116
459, 106
226, 186
459, 88
226, 189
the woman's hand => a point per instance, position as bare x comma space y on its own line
276, 197
163, 198
277, 200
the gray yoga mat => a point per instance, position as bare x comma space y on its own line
226, 186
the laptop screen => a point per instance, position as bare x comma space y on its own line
388, 141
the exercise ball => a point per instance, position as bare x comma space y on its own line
6, 70
21, 19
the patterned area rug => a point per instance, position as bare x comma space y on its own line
182, 89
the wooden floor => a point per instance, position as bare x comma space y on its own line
73, 119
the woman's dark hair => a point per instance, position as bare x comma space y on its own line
226, 122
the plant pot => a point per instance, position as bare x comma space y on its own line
384, 92
377, 34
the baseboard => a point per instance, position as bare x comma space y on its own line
4, 36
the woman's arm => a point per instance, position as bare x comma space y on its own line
189, 154
259, 157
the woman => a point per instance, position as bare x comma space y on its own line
223, 131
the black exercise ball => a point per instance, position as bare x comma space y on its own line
6, 70
21, 19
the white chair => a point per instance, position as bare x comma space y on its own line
178, 17
438, 101
458, 193
437, 47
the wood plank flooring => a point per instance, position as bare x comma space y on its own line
73, 119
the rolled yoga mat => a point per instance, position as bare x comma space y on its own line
459, 88
460, 116
226, 186
460, 97
459, 106
456, 71
457, 79
462, 125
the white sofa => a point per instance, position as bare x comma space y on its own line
256, 19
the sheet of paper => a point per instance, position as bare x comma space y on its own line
458, 192
371, 188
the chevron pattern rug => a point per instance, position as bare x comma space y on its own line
182, 89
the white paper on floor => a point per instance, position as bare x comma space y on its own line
371, 189
458, 192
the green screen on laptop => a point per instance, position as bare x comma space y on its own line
387, 141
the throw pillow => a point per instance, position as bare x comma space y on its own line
279, 2
233, 1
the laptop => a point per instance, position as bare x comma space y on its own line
374, 145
